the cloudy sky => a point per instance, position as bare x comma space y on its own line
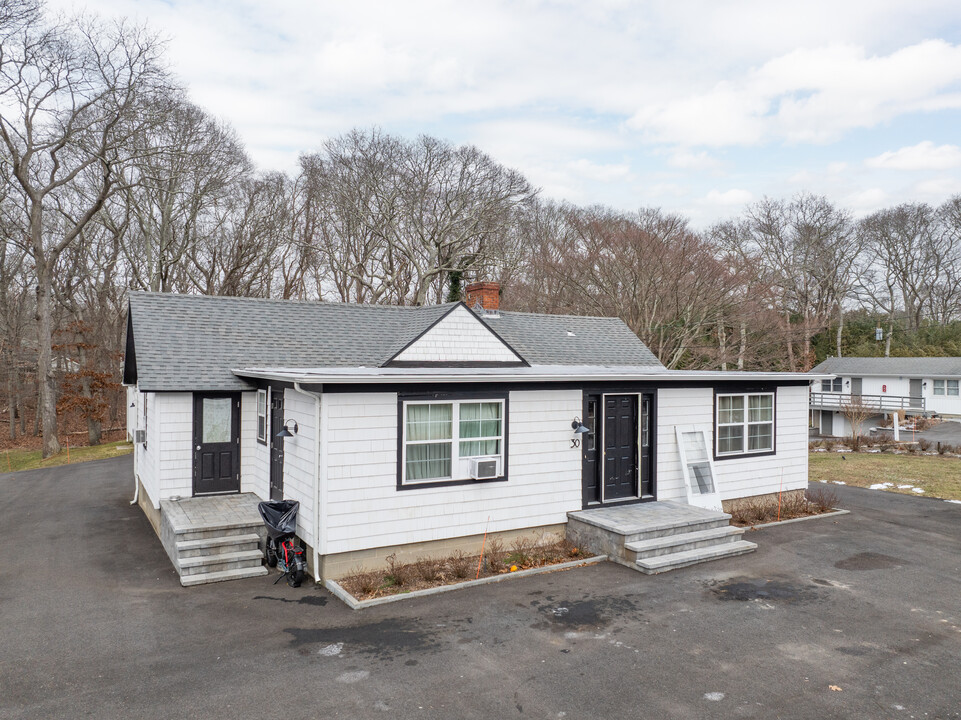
697, 107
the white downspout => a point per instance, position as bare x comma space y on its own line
317, 441
136, 479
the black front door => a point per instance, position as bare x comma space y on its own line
591, 469
216, 443
620, 447
276, 445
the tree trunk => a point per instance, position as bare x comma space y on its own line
887, 340
47, 409
722, 342
742, 348
12, 397
840, 328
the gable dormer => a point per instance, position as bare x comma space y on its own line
458, 338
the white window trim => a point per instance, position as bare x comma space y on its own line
839, 381
455, 456
946, 388
262, 438
746, 424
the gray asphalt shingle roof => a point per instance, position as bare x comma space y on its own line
192, 342
892, 366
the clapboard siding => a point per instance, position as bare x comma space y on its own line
176, 415
364, 508
736, 477
254, 456
147, 456
460, 337
299, 453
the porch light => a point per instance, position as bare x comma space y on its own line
578, 427
286, 432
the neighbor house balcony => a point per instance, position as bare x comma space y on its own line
879, 403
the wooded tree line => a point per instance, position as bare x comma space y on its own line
113, 180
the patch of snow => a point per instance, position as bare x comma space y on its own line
917, 490
331, 650
956, 502
904, 487
881, 486
714, 696
839, 482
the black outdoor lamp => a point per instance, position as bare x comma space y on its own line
286, 432
578, 427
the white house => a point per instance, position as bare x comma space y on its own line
417, 429
906, 385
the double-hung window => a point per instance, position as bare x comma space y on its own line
831, 385
262, 416
744, 424
441, 437
946, 387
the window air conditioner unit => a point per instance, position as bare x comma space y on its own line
485, 468
140, 436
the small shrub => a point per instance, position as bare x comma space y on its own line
829, 445
360, 583
942, 448
523, 550
428, 569
460, 565
923, 423
397, 574
924, 444
495, 556
794, 505
823, 499
912, 448
814, 445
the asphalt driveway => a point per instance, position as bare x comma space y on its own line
854, 617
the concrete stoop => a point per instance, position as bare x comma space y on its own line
213, 539
658, 536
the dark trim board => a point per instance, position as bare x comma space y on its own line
130, 353
585, 385
441, 397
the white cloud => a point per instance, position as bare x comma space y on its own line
734, 196
685, 160
939, 189
809, 96
865, 201
923, 156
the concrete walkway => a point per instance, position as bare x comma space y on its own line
95, 624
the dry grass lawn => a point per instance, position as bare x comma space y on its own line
13, 460
938, 476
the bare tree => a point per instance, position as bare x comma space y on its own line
856, 413
804, 250
73, 95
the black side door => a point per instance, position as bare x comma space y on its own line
591, 469
276, 445
620, 447
216, 443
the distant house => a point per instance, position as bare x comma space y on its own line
907, 385
417, 429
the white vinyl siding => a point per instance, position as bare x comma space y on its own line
742, 475
165, 464
299, 453
460, 337
254, 455
365, 509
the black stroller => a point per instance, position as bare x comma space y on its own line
281, 551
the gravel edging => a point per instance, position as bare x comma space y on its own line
833, 512
337, 589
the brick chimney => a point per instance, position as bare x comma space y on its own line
487, 294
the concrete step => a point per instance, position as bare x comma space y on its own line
672, 561
667, 544
217, 545
223, 561
212, 577
719, 520
208, 532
